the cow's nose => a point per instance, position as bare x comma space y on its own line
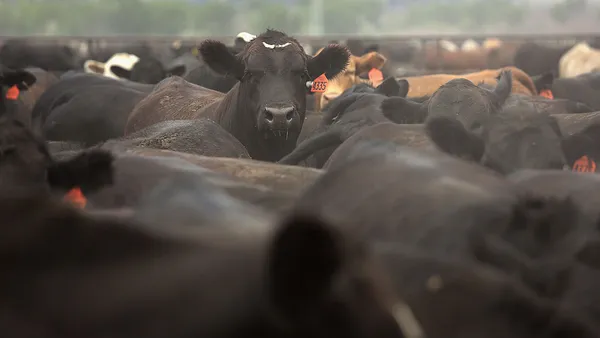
279, 116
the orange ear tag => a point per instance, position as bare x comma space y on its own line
584, 165
319, 84
12, 93
76, 197
547, 93
375, 75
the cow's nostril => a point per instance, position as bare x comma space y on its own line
289, 115
269, 116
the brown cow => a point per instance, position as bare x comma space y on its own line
426, 85
357, 66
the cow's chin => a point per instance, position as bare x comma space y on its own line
279, 134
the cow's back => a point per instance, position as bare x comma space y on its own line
579, 60
427, 85
173, 99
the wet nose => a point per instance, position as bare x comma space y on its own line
279, 116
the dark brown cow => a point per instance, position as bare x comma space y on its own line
266, 109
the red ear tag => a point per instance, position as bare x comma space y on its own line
547, 93
584, 165
12, 93
319, 84
375, 75
76, 197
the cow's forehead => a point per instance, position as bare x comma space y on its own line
276, 56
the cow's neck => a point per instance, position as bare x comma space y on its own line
240, 121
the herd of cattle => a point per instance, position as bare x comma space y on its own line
193, 191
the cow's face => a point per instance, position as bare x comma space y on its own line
273, 71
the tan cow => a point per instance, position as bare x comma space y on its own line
357, 65
428, 84
579, 60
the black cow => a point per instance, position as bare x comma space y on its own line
266, 109
19, 53
87, 108
535, 59
459, 99
584, 88
356, 108
582, 189
426, 200
148, 70
296, 281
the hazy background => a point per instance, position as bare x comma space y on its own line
300, 17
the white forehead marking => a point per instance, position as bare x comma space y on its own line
276, 46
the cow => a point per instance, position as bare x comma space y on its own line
20, 53
410, 135
454, 298
430, 201
344, 116
27, 97
253, 283
148, 70
426, 85
266, 109
26, 161
357, 66
114, 68
65, 107
535, 59
201, 137
459, 98
580, 59
582, 189
92, 114
583, 88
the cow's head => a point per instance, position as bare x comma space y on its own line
275, 75
12, 82
357, 66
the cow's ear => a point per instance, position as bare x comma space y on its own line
450, 136
304, 258
331, 61
90, 170
218, 57
20, 77
391, 87
369, 61
543, 81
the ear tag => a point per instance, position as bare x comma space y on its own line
195, 51
547, 93
319, 84
584, 165
76, 197
375, 75
12, 93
